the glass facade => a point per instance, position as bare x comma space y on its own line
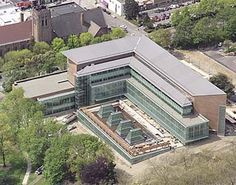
168, 121
101, 87
115, 83
58, 104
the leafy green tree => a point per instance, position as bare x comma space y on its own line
161, 37
231, 28
179, 15
206, 31
20, 56
68, 154
41, 47
131, 9
85, 149
96, 40
55, 164
224, 83
58, 44
73, 41
19, 110
12, 76
183, 35
117, 33
85, 38
6, 138
37, 137
13, 68
106, 37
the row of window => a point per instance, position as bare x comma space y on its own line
162, 116
157, 92
105, 91
59, 101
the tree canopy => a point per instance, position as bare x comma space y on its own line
161, 37
224, 83
67, 156
206, 23
131, 9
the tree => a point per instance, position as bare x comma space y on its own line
96, 40
206, 31
131, 9
19, 110
117, 33
73, 41
231, 28
41, 47
68, 154
106, 37
6, 138
224, 83
55, 165
99, 172
37, 137
85, 149
58, 44
183, 35
85, 38
161, 37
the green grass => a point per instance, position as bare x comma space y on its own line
14, 173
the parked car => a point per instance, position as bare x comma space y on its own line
173, 6
39, 170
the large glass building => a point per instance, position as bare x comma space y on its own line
172, 94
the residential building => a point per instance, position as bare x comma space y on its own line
136, 68
117, 6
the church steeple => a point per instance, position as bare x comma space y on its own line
42, 24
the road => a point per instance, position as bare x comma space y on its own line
118, 21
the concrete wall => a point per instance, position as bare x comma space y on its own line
14, 46
72, 69
208, 106
207, 64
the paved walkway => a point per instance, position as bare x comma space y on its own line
28, 171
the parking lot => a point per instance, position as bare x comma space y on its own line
161, 15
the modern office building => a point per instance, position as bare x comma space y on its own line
172, 94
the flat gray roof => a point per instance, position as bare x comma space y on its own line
45, 85
153, 56
147, 73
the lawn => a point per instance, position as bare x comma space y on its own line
14, 173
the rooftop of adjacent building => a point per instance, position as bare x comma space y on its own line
65, 21
15, 32
61, 8
46, 85
10, 14
152, 56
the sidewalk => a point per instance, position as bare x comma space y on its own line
28, 171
